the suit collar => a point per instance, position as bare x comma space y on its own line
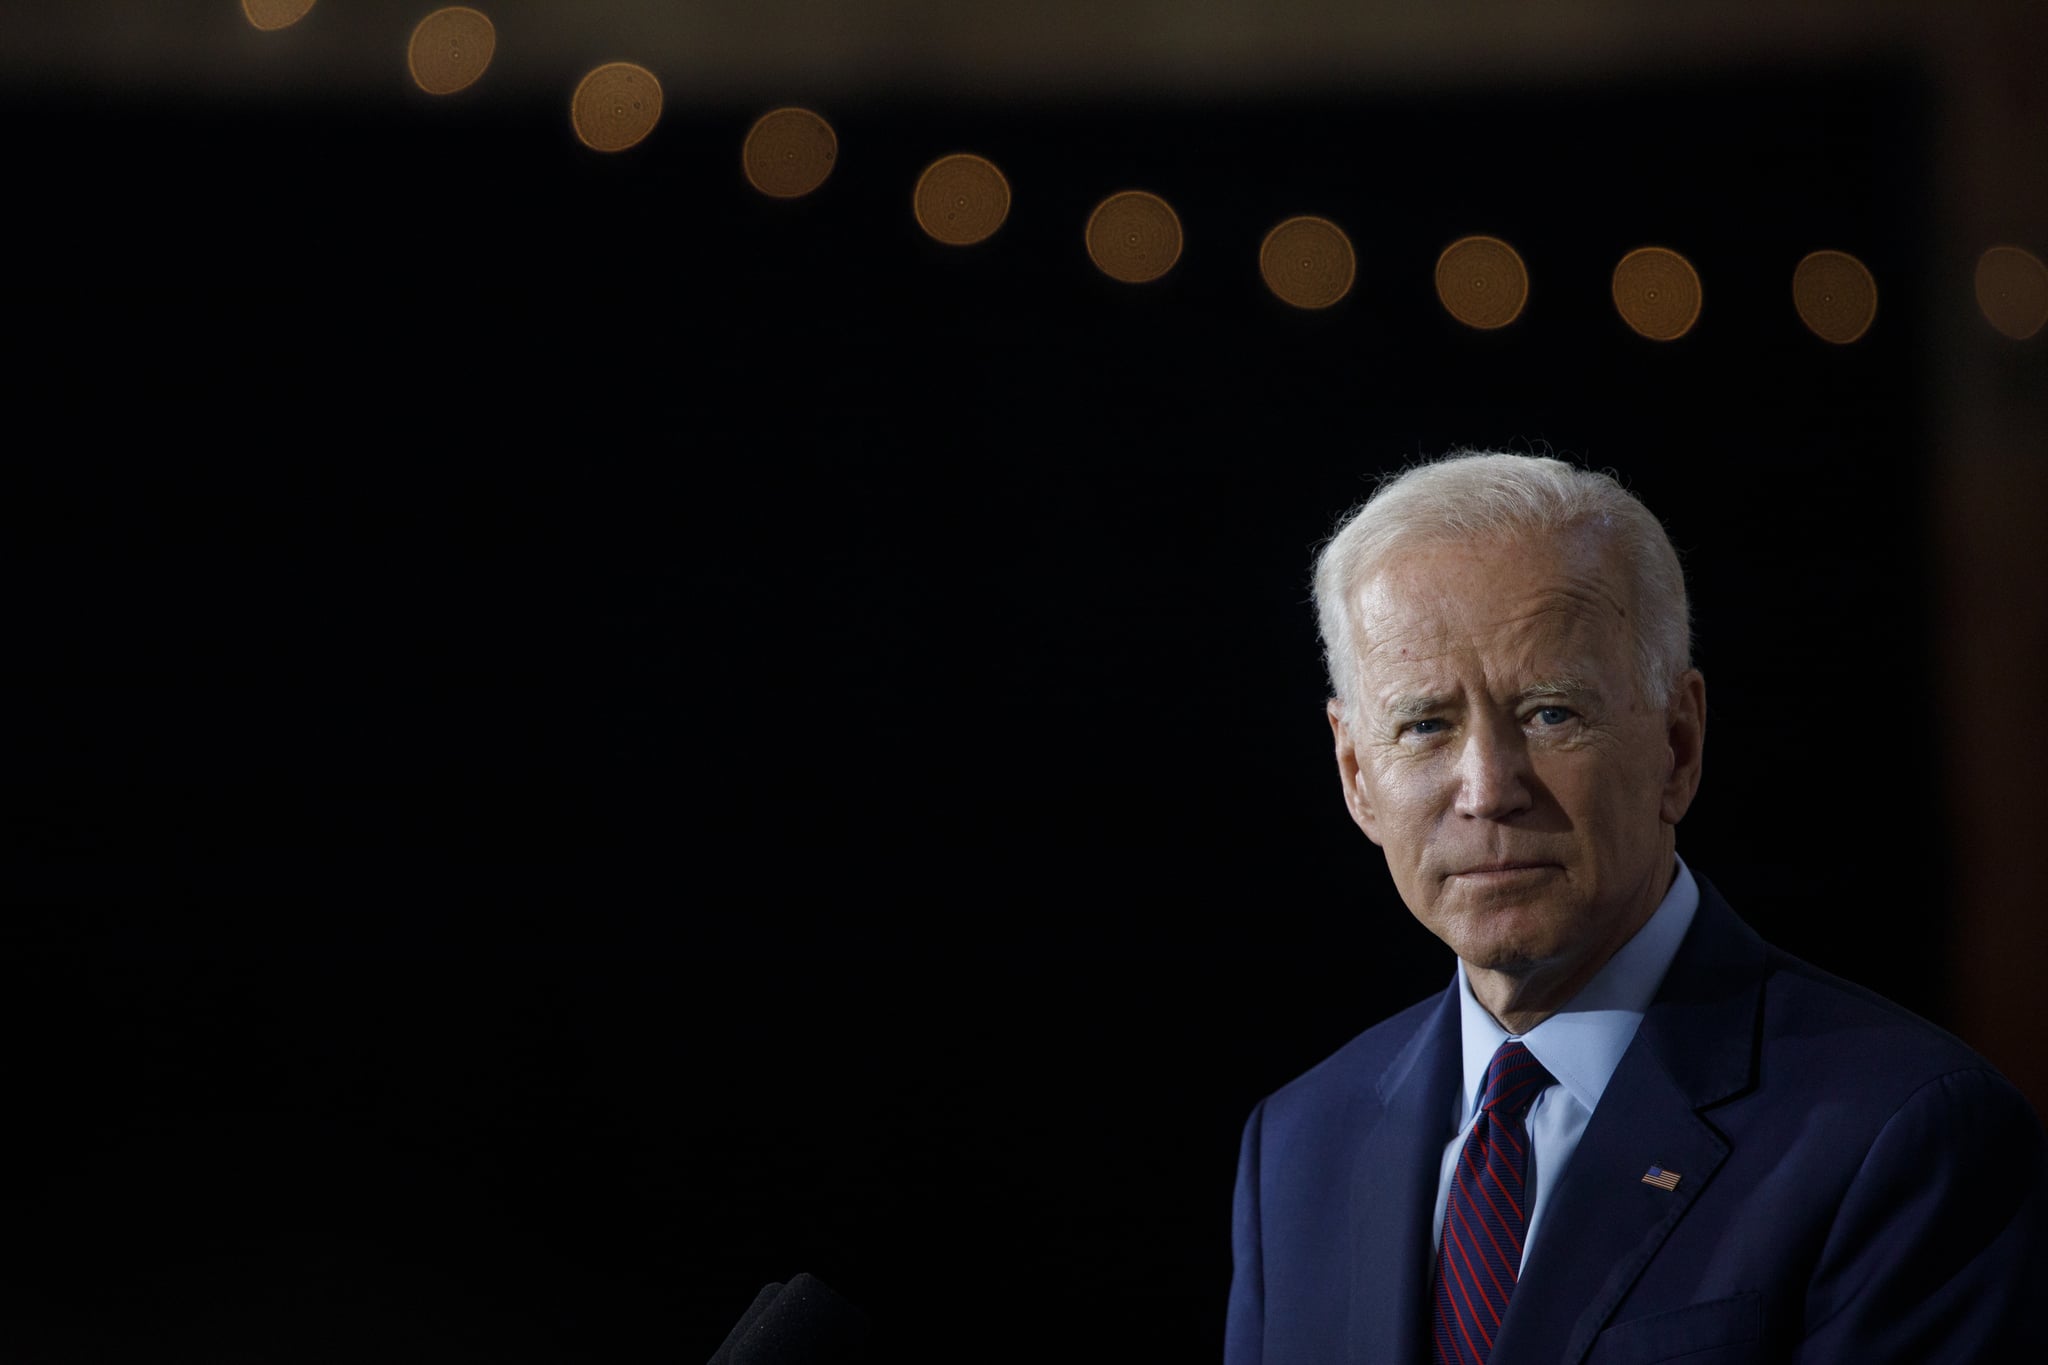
1702, 1026
1582, 1043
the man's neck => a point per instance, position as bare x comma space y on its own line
1519, 1001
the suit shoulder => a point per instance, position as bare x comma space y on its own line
1351, 1072
1798, 991
1805, 1010
1851, 1033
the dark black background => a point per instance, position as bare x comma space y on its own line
582, 739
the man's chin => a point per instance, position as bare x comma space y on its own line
1512, 939
1514, 968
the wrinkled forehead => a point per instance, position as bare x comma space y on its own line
1533, 605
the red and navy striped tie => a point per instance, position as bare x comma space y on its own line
1479, 1254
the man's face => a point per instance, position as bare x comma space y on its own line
1522, 789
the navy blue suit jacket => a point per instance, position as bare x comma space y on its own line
1856, 1186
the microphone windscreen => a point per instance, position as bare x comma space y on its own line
806, 1324
723, 1355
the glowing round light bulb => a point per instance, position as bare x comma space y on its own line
615, 106
2012, 291
275, 14
1308, 262
450, 48
1482, 282
961, 199
1835, 296
1134, 237
1657, 292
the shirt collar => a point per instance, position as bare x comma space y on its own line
1582, 1043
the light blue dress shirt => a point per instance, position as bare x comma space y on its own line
1580, 1045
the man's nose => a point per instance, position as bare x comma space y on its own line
1493, 774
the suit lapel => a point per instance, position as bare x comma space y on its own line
1393, 1193
1603, 1224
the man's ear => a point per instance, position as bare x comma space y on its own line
1685, 731
1356, 800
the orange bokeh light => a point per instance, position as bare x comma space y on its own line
275, 14
1134, 237
615, 106
961, 199
1308, 262
1657, 292
450, 49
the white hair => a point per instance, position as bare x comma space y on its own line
1480, 495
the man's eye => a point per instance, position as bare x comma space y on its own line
1554, 715
1425, 727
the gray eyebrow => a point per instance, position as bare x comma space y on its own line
1416, 707
1566, 686
1413, 708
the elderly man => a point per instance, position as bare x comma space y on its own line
1629, 1130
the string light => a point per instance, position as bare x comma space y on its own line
615, 106
275, 14
1482, 282
1308, 262
1657, 292
2012, 291
961, 199
1835, 295
788, 153
1134, 237
450, 49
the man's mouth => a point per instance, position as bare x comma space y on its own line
1504, 869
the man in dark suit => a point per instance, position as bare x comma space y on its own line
1630, 1131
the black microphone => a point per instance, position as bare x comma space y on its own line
799, 1323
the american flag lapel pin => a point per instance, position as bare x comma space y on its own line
1661, 1178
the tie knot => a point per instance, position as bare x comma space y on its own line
1513, 1080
